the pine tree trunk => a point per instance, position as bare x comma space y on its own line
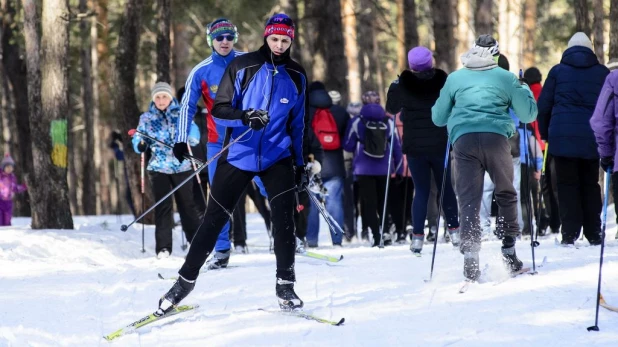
402, 56
366, 34
582, 16
483, 17
180, 55
410, 24
530, 13
89, 189
599, 40
464, 32
48, 101
126, 110
331, 44
163, 40
443, 19
104, 81
94, 57
613, 29
351, 49
15, 70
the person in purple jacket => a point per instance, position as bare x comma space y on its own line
369, 137
603, 123
8, 188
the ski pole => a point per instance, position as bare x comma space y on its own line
142, 174
199, 180
533, 242
187, 156
124, 227
595, 327
444, 178
388, 181
332, 223
541, 188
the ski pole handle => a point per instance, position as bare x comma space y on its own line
132, 132
142, 171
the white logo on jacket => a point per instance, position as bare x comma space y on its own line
284, 101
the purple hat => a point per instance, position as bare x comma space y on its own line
420, 59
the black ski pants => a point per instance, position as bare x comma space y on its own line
473, 155
372, 194
549, 188
579, 198
228, 185
190, 217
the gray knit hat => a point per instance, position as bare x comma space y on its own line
162, 87
580, 39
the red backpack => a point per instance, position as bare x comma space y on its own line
325, 129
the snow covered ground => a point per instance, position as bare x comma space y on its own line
69, 288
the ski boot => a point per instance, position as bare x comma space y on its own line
401, 237
432, 234
388, 239
471, 272
509, 256
164, 253
455, 236
219, 260
301, 246
365, 235
288, 300
241, 249
417, 244
175, 295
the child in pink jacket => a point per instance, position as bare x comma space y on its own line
8, 188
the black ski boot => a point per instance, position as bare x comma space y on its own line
471, 272
401, 237
432, 234
219, 260
288, 300
509, 256
388, 239
175, 295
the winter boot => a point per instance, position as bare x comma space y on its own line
455, 236
509, 256
175, 295
164, 253
401, 237
432, 234
417, 243
301, 246
288, 300
219, 260
388, 239
241, 249
471, 271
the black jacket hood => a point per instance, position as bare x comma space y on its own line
319, 98
426, 82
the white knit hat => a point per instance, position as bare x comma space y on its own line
580, 39
162, 87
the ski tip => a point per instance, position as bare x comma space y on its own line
340, 258
593, 328
161, 276
341, 321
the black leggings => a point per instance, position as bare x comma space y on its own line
229, 183
372, 189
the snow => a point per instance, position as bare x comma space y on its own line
69, 288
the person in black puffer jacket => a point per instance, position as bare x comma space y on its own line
414, 94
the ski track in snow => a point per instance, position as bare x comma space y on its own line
69, 288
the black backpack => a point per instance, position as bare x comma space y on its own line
376, 138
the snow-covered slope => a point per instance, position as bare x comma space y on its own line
69, 288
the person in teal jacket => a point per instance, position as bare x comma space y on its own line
474, 105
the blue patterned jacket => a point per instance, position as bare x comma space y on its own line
162, 126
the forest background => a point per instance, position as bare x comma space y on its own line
74, 70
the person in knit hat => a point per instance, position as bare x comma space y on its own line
412, 96
203, 84
164, 171
474, 105
8, 188
262, 95
370, 97
566, 106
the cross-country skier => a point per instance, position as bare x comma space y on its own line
474, 105
264, 91
203, 82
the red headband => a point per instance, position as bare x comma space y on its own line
279, 29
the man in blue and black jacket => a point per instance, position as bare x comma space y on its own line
265, 91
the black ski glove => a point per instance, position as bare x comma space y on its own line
300, 177
256, 119
180, 150
607, 163
142, 146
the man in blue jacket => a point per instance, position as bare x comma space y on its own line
263, 91
203, 82
566, 105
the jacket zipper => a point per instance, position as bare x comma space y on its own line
272, 85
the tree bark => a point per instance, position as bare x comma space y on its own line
582, 16
180, 55
15, 70
613, 29
464, 31
331, 44
103, 74
483, 17
599, 41
530, 13
410, 25
351, 49
89, 189
366, 33
402, 57
126, 109
443, 28
163, 40
48, 101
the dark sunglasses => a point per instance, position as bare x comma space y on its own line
225, 37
